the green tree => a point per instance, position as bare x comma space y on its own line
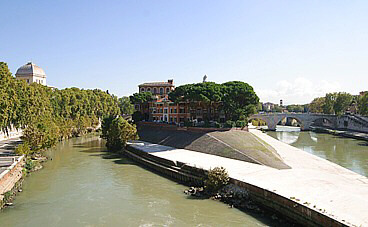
117, 132
342, 102
239, 100
126, 107
363, 104
142, 97
317, 105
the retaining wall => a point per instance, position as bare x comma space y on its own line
193, 176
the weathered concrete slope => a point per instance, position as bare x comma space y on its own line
239, 145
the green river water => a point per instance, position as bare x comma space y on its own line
349, 153
85, 186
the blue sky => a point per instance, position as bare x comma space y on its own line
290, 50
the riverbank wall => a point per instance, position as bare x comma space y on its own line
9, 180
342, 133
193, 176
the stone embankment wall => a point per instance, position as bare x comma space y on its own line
353, 123
10, 177
193, 176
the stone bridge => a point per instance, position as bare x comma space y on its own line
305, 120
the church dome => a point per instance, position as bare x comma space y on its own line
30, 69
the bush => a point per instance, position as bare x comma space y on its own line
23, 149
117, 132
216, 179
229, 124
217, 125
188, 124
240, 124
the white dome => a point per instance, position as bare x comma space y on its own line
30, 69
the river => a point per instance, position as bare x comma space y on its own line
83, 185
349, 153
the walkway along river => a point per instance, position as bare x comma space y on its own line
349, 153
84, 185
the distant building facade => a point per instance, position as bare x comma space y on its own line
31, 73
165, 110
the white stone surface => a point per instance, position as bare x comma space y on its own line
312, 181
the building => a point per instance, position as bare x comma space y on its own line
161, 108
31, 73
165, 110
362, 93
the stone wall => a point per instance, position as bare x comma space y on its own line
353, 123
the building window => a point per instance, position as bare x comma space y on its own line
27, 80
171, 110
160, 110
175, 110
165, 111
149, 89
182, 110
142, 89
154, 90
167, 90
161, 90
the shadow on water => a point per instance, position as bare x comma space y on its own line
363, 144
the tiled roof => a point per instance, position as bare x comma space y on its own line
156, 84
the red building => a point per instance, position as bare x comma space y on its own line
163, 109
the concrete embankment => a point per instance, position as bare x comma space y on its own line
342, 133
9, 179
313, 192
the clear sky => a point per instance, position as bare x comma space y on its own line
290, 50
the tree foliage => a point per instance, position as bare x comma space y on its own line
363, 105
117, 132
48, 115
237, 99
126, 107
141, 97
316, 106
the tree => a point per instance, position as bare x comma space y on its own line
342, 102
117, 132
328, 107
126, 107
363, 104
239, 100
316, 106
140, 98
295, 108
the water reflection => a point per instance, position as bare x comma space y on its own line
349, 153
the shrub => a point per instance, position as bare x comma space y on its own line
240, 124
23, 149
188, 123
229, 124
217, 125
216, 179
117, 132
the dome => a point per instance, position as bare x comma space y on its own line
30, 69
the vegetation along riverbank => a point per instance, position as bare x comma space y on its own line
48, 115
